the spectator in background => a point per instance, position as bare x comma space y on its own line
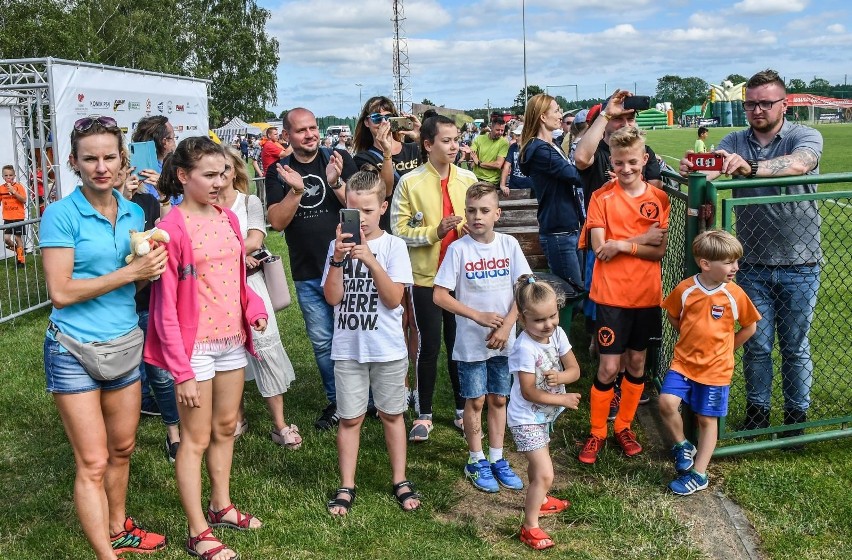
488, 152
780, 268
511, 176
159, 130
272, 150
244, 147
700, 146
575, 133
13, 197
304, 197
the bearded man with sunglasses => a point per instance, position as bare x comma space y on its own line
780, 268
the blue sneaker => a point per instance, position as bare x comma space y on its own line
682, 455
689, 483
479, 473
506, 476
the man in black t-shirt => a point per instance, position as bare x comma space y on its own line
304, 194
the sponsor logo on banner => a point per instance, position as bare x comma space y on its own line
191, 109
100, 105
169, 106
192, 127
160, 106
118, 104
81, 109
148, 105
80, 97
134, 106
179, 108
486, 268
179, 128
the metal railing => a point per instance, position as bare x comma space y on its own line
22, 287
830, 335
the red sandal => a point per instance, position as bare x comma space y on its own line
216, 519
535, 538
553, 505
207, 536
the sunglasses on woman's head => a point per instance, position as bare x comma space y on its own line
376, 118
84, 124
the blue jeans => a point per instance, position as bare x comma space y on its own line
161, 381
319, 324
786, 297
561, 252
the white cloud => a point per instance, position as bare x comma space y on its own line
769, 7
707, 19
836, 28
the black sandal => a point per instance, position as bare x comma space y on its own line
340, 502
402, 498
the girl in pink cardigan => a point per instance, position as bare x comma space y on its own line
201, 317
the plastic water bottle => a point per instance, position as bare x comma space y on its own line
416, 220
712, 147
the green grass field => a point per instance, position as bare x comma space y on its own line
799, 503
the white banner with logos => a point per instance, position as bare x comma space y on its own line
125, 95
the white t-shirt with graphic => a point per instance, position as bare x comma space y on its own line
483, 276
365, 330
533, 357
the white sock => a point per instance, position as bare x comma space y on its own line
476, 456
460, 413
495, 455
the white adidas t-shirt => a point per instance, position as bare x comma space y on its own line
483, 276
533, 357
365, 330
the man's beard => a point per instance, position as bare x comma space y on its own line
305, 153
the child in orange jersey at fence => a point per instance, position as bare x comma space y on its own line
704, 310
626, 285
475, 282
13, 197
542, 363
365, 284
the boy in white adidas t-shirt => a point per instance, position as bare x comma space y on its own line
365, 284
475, 281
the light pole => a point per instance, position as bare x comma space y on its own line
359, 97
524, 28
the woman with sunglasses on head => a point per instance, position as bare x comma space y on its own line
427, 213
273, 372
377, 145
85, 238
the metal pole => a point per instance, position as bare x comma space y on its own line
360, 101
524, 27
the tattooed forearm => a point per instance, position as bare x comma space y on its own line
797, 163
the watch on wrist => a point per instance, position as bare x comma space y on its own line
753, 164
338, 184
334, 263
606, 116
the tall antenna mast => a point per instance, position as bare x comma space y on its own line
401, 71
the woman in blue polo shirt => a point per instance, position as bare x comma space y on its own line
84, 241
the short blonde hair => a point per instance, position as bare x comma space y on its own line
479, 190
716, 245
627, 137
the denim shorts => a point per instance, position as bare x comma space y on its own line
706, 400
64, 374
490, 376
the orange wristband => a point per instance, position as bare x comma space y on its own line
633, 248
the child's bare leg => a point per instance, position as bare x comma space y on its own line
496, 420
540, 473
473, 423
671, 416
708, 434
396, 442
348, 443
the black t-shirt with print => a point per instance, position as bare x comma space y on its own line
315, 222
407, 159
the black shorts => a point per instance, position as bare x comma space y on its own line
14, 230
619, 328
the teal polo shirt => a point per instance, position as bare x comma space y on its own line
99, 249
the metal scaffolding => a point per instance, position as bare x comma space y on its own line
401, 72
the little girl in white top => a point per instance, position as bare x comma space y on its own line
542, 363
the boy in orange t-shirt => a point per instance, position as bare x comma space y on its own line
626, 285
704, 310
13, 197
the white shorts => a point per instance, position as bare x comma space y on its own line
353, 382
206, 364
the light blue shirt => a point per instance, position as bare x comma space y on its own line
99, 249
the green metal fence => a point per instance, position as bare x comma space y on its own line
830, 336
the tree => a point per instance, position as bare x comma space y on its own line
170, 36
520, 103
427, 101
797, 85
683, 93
819, 85
736, 78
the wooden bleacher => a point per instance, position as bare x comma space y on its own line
519, 220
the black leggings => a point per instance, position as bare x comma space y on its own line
428, 318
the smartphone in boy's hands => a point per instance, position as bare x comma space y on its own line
350, 222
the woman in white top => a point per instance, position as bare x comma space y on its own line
274, 373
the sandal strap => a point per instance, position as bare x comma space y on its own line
205, 536
243, 519
341, 502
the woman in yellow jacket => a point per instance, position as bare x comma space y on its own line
427, 212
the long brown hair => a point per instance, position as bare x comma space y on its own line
186, 156
536, 107
363, 139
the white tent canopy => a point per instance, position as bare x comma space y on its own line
234, 127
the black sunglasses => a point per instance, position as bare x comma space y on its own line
84, 124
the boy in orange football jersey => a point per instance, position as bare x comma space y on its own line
13, 197
626, 285
704, 309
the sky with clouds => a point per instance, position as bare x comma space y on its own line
466, 54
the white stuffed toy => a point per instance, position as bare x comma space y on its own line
142, 242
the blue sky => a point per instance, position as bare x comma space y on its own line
464, 54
